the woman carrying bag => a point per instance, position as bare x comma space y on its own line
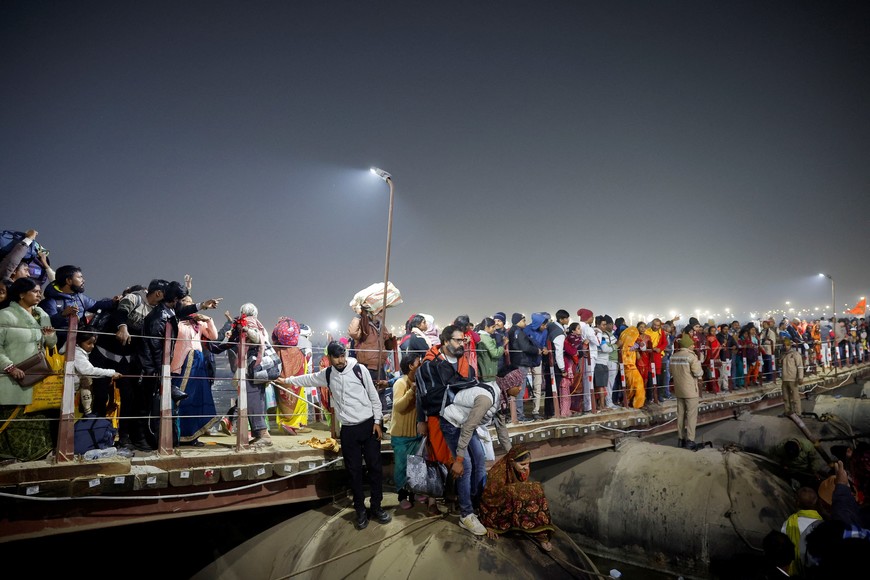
25, 330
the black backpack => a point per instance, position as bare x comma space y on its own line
357, 370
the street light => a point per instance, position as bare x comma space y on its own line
833, 299
389, 179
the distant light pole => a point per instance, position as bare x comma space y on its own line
833, 298
389, 179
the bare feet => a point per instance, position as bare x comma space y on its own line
546, 546
491, 534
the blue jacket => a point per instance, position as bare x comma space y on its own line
537, 336
56, 301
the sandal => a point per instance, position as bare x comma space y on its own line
288, 429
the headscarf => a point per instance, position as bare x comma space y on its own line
515, 378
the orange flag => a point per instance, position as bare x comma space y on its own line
859, 308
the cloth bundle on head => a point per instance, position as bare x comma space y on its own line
584, 314
686, 341
516, 317
499, 316
286, 332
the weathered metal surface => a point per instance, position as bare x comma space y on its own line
323, 544
665, 507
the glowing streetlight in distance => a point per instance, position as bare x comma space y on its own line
380, 173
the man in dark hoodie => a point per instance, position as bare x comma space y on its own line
66, 296
537, 333
523, 355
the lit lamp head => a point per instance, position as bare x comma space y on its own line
381, 173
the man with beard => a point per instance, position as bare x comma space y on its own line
451, 425
66, 296
358, 409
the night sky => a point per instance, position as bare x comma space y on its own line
648, 157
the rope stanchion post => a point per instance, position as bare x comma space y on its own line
164, 443
242, 431
65, 451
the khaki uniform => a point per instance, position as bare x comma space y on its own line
792, 375
686, 370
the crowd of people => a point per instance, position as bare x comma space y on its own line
829, 534
449, 385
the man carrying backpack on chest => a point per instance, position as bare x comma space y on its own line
358, 406
451, 405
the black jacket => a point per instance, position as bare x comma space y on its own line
524, 353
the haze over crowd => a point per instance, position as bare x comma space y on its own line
647, 157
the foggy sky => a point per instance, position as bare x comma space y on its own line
641, 157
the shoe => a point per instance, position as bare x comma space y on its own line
381, 516
433, 510
526, 420
143, 445
536, 417
681, 443
178, 394
194, 443
260, 442
124, 443
225, 426
692, 446
472, 524
303, 429
405, 504
362, 520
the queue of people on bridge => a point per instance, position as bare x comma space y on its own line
527, 367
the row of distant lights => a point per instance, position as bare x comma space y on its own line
333, 326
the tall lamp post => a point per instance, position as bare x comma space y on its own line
389, 179
833, 297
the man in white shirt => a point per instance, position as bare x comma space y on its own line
590, 345
358, 409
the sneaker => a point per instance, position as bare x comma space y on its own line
472, 524
362, 520
381, 516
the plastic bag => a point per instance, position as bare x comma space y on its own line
48, 393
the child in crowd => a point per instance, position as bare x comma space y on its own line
85, 371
